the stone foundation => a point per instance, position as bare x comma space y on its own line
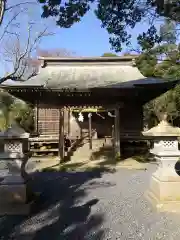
164, 190
14, 209
164, 196
13, 196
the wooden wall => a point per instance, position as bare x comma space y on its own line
131, 121
48, 123
131, 118
48, 120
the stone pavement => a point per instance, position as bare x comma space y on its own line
95, 205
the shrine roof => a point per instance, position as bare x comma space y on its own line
102, 80
85, 73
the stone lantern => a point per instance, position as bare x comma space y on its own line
164, 189
14, 154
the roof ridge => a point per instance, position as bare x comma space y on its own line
130, 60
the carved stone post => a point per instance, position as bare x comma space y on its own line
164, 190
14, 154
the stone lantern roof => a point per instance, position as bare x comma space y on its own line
163, 129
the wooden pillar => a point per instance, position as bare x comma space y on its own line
81, 132
69, 123
113, 137
61, 134
90, 130
117, 131
36, 112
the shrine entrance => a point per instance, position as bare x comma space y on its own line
112, 84
87, 124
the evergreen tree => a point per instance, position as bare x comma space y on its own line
116, 16
162, 61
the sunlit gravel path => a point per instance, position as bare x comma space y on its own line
99, 205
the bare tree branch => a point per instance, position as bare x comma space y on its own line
9, 23
20, 35
19, 4
19, 42
22, 59
2, 9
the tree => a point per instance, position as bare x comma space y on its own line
115, 16
23, 114
20, 34
146, 63
156, 60
5, 7
162, 61
6, 100
2, 9
23, 66
15, 110
168, 32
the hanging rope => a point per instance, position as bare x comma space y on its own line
100, 115
110, 115
89, 115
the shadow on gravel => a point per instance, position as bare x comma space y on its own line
59, 212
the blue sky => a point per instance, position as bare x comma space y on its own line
86, 38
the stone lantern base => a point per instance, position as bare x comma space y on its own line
164, 191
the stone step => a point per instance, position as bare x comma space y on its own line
80, 155
84, 152
87, 148
79, 159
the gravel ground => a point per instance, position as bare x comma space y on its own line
98, 205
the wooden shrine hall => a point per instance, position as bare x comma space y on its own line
107, 82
